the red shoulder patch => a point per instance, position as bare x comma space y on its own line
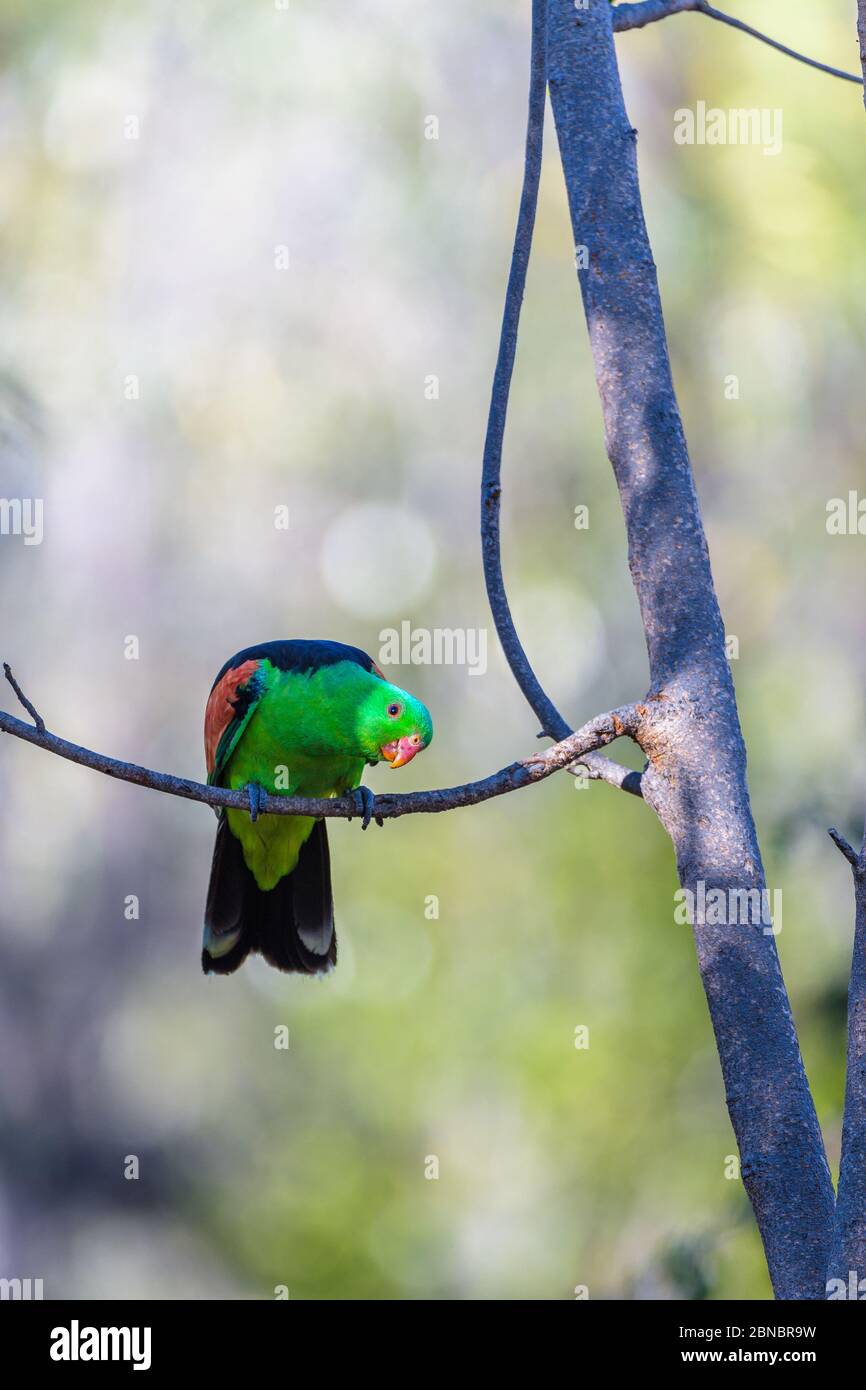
221, 708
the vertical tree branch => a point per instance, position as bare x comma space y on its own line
696, 780
552, 722
861, 34
849, 1234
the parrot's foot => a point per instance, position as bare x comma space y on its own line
254, 796
365, 804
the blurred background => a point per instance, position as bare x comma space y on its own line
232, 264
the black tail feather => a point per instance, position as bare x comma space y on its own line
285, 924
311, 891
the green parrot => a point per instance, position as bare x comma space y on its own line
297, 718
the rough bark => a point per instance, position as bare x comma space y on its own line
696, 778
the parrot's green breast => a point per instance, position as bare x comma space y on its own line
284, 749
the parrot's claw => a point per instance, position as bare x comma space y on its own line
365, 804
254, 796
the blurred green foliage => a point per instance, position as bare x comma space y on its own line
164, 388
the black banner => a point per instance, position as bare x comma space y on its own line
66, 1339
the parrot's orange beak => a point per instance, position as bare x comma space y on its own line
401, 750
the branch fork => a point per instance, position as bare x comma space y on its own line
636, 16
31, 709
857, 859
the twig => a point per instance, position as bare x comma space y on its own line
524, 773
31, 710
848, 850
553, 725
861, 34
648, 11
600, 768
848, 1250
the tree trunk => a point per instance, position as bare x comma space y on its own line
696, 778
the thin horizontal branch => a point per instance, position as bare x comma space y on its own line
596, 734
648, 11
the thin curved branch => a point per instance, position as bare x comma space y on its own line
648, 11
524, 773
552, 722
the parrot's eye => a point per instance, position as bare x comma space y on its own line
394, 710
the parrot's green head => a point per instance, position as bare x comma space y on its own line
393, 725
